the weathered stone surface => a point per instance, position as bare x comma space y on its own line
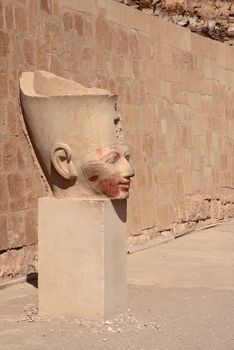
176, 6
18, 262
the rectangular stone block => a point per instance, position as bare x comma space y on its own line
3, 233
16, 229
82, 258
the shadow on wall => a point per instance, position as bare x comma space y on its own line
32, 278
120, 207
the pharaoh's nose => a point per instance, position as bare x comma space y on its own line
128, 169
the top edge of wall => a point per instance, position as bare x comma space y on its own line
169, 33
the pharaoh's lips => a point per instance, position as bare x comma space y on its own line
124, 185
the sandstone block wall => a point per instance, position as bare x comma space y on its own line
175, 95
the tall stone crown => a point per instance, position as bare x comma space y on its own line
60, 110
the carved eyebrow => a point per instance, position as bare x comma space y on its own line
91, 163
104, 158
111, 154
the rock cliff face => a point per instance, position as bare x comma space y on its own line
210, 18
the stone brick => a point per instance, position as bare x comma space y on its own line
188, 184
3, 233
28, 48
165, 175
16, 51
79, 24
13, 83
34, 20
16, 230
1, 158
134, 224
121, 42
9, 154
133, 44
103, 33
30, 193
86, 59
112, 86
30, 224
3, 193
182, 60
9, 16
4, 44
23, 155
3, 118
1, 16
46, 6
53, 37
180, 183
17, 198
55, 8
165, 216
3, 85
20, 17
33, 189
147, 144
141, 177
12, 118
56, 65
197, 180
42, 58
31, 200
67, 21
146, 213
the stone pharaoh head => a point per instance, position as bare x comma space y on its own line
74, 132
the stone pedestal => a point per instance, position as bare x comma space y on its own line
82, 258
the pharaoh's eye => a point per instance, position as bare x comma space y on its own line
112, 157
127, 157
112, 160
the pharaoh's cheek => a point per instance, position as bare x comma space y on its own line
109, 186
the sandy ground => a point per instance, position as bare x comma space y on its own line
181, 297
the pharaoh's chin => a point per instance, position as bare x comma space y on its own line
124, 187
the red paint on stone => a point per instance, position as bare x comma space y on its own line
110, 186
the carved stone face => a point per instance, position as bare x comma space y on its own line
108, 171
65, 122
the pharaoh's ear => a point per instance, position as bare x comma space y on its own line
62, 162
